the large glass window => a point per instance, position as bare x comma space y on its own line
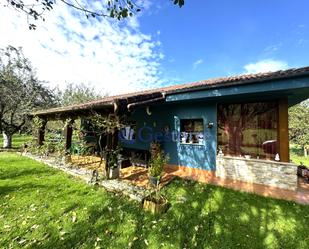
248, 130
192, 131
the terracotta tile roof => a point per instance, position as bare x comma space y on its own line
239, 79
159, 92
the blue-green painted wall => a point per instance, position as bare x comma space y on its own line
195, 156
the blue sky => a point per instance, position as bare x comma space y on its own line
164, 44
226, 35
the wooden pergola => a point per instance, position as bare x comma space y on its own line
116, 105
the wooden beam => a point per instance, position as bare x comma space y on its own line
283, 130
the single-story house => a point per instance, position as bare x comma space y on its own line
233, 127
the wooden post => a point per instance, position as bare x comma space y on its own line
68, 135
115, 138
41, 132
112, 140
283, 130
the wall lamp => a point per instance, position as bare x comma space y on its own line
210, 125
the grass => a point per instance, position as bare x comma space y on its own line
17, 140
44, 208
296, 154
300, 159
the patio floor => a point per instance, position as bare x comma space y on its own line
138, 176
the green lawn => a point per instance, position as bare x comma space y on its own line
44, 208
300, 159
18, 140
296, 154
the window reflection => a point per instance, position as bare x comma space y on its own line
192, 131
248, 129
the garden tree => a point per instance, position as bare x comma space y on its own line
20, 92
71, 95
77, 94
118, 9
299, 125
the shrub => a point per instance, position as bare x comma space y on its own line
157, 163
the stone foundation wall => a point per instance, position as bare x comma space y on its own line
275, 174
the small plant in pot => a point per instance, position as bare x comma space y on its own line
156, 203
156, 168
113, 163
156, 164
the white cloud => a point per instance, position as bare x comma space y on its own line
273, 48
111, 56
197, 63
266, 66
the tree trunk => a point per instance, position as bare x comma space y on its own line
305, 151
7, 140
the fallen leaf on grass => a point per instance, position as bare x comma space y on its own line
34, 227
8, 227
22, 241
74, 217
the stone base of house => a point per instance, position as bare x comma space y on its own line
274, 174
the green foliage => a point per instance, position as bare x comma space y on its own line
300, 160
116, 9
180, 3
37, 122
299, 124
20, 91
77, 94
157, 161
45, 208
53, 145
81, 148
107, 124
113, 157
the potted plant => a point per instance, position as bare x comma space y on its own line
113, 163
156, 203
156, 164
156, 168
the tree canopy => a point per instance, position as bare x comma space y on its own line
117, 9
299, 125
77, 94
20, 92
